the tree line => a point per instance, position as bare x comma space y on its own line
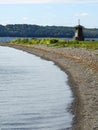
25, 30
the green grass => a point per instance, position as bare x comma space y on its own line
83, 44
54, 42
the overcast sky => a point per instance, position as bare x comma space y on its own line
49, 12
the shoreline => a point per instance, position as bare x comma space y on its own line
81, 66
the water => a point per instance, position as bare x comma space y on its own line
34, 94
6, 39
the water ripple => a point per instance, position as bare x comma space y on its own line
34, 94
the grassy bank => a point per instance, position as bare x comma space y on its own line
54, 42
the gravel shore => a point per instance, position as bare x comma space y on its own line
82, 67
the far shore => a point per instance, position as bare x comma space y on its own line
81, 65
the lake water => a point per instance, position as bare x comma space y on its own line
34, 94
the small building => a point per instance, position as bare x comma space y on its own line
79, 33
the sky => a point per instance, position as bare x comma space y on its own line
49, 12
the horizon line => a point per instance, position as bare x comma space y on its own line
48, 25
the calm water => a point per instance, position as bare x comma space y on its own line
34, 94
6, 39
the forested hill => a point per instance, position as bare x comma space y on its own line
25, 30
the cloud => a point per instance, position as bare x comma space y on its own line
45, 1
81, 14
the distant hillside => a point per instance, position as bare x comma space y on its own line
24, 30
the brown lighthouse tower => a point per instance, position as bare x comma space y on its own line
79, 32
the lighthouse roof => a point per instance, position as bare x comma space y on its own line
79, 26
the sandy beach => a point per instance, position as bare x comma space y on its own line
81, 65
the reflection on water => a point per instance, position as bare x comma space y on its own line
34, 94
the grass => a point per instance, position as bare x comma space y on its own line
54, 42
84, 44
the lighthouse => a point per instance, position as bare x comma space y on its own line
79, 32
